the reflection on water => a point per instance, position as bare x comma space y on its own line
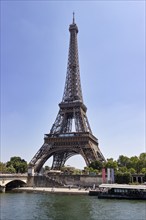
35, 206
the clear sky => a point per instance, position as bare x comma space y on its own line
34, 53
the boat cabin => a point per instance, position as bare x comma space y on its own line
122, 191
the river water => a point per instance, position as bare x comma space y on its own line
39, 206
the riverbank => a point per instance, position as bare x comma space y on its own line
52, 190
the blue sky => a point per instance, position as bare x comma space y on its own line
34, 53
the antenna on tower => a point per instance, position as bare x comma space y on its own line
73, 17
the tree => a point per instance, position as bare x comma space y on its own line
86, 170
96, 165
111, 163
90, 171
123, 161
142, 163
119, 177
11, 169
143, 170
123, 177
142, 157
77, 172
20, 165
3, 168
126, 177
132, 170
123, 169
46, 168
134, 163
68, 170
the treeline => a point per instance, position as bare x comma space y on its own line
133, 165
122, 166
15, 165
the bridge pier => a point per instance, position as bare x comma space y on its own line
2, 189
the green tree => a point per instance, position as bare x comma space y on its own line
93, 171
11, 169
126, 177
143, 170
77, 172
134, 163
86, 170
111, 163
123, 169
123, 161
122, 178
20, 165
119, 177
46, 168
132, 170
96, 165
3, 168
90, 171
142, 157
68, 170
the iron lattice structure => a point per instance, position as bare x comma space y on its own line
62, 142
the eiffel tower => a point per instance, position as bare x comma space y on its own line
62, 142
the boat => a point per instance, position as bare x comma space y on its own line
122, 191
94, 192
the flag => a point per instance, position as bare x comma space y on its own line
112, 176
108, 174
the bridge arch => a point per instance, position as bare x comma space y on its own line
14, 184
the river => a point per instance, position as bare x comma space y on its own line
39, 206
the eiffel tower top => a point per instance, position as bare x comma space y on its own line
73, 91
73, 26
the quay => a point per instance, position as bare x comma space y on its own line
54, 190
63, 181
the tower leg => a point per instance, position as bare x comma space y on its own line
59, 160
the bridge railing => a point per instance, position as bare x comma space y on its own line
14, 175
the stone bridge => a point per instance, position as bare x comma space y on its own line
12, 181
